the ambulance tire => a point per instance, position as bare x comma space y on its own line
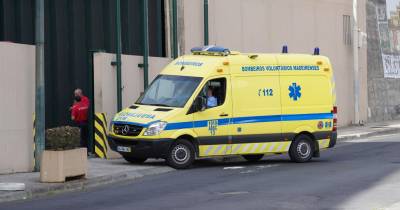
301, 149
181, 155
253, 158
134, 159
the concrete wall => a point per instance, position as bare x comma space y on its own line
105, 80
266, 25
384, 93
17, 86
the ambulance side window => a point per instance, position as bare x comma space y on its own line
214, 91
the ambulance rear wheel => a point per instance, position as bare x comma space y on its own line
181, 154
134, 159
301, 149
253, 158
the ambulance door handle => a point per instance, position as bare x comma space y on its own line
224, 115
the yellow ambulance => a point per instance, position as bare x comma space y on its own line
218, 102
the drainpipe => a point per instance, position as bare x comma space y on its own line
355, 64
145, 44
118, 52
174, 29
205, 22
40, 91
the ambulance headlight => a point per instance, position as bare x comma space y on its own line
155, 128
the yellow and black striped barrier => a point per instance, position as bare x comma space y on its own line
100, 135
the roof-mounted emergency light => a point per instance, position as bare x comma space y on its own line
316, 51
285, 49
210, 50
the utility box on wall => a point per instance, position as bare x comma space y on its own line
17, 93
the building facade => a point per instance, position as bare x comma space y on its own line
266, 25
383, 59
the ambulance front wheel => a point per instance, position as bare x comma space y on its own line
181, 154
301, 149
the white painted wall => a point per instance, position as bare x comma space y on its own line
17, 86
264, 26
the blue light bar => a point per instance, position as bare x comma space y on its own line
285, 49
316, 51
211, 49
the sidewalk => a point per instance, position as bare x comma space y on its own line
103, 172
368, 130
100, 172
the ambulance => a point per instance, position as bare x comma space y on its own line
216, 102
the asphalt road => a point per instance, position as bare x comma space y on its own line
361, 174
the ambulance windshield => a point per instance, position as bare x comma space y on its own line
169, 91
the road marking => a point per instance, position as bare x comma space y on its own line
233, 168
267, 166
234, 193
247, 172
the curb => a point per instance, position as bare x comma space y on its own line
369, 134
81, 185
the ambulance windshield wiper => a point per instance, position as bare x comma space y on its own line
165, 105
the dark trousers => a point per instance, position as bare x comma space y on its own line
84, 134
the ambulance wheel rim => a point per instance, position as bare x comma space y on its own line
303, 149
180, 153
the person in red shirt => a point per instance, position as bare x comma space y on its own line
79, 114
79, 111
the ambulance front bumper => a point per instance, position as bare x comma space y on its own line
140, 148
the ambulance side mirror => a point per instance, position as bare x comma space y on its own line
200, 104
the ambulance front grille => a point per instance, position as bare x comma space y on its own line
127, 130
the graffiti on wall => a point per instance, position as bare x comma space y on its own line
388, 16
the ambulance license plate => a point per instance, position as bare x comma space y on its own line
123, 149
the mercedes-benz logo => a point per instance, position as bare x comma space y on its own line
125, 130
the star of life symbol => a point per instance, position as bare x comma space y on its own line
294, 91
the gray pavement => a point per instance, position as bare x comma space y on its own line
357, 174
107, 172
100, 172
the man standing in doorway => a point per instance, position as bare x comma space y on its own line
79, 114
